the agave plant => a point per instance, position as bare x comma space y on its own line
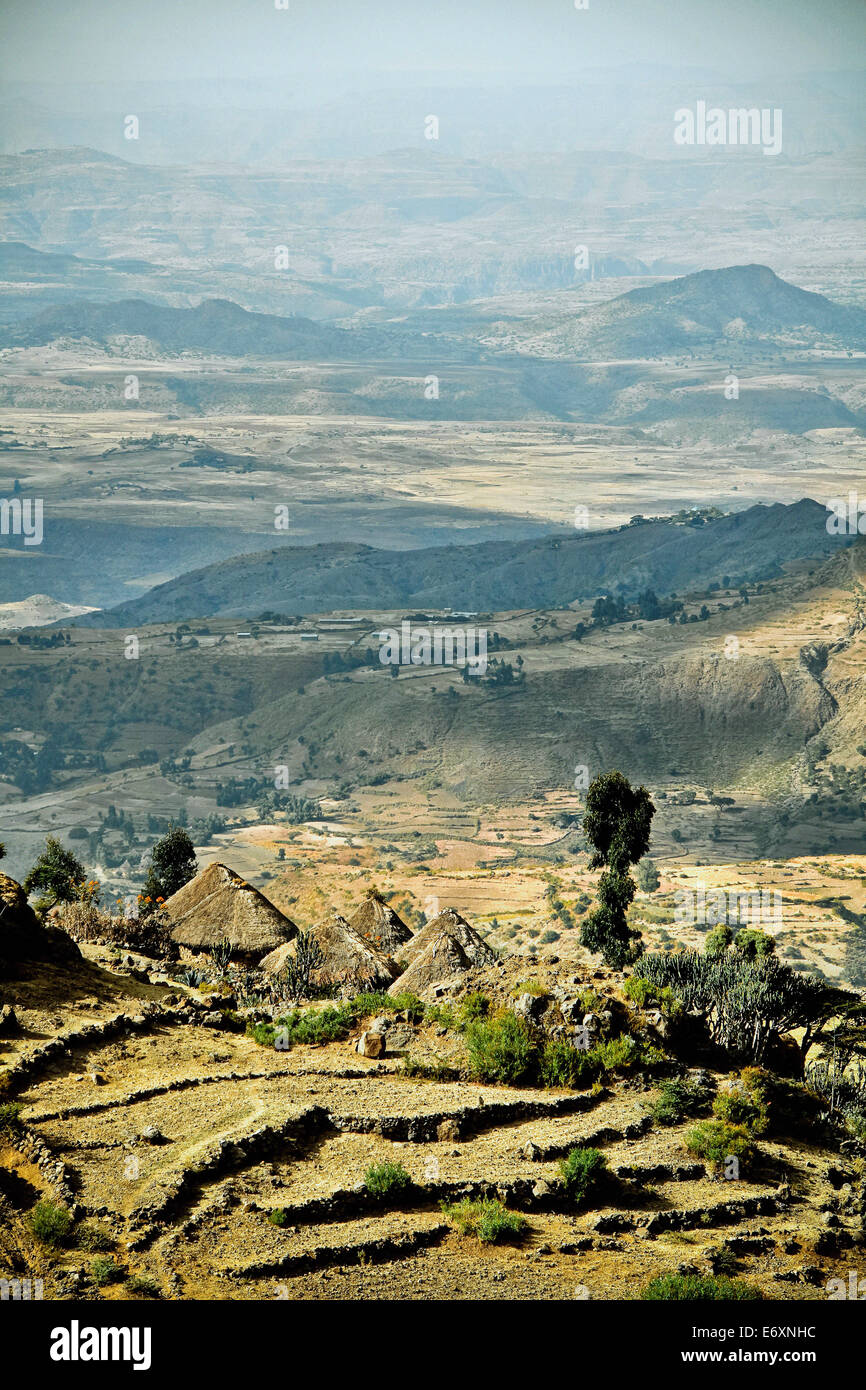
221, 955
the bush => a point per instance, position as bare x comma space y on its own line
489, 1220
91, 1236
743, 1102
311, 1027
429, 1071
147, 935
703, 1288
474, 1006
583, 1172
500, 1049
640, 992
746, 1003
643, 993
717, 1142
533, 987
278, 1216
625, 1054
10, 1119
104, 1271
407, 1003
50, 1222
383, 1178
564, 1065
678, 1101
143, 1285
373, 1002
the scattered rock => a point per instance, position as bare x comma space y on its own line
370, 1044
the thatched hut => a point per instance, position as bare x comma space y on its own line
379, 924
349, 960
218, 905
441, 953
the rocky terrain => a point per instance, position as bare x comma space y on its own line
205, 1165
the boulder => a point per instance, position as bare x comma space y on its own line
370, 1044
9, 1025
22, 935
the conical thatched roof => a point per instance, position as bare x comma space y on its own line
379, 924
219, 905
441, 952
22, 937
442, 961
450, 922
349, 959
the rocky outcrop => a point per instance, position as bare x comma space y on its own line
22, 935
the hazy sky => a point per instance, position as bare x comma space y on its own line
108, 40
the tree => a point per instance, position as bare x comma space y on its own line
754, 943
617, 825
747, 1004
57, 873
648, 876
172, 864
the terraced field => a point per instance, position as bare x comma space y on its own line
181, 1140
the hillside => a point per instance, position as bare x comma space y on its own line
716, 310
216, 326
297, 1168
555, 571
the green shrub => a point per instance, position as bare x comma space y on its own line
489, 1220
429, 1071
744, 1103
639, 991
382, 1178
704, 1288
500, 1049
716, 1141
625, 1054
564, 1065
442, 1014
408, 1003
311, 1026
533, 987
373, 1002
583, 1172
10, 1119
144, 1285
677, 1101
591, 1001
278, 1216
104, 1271
50, 1222
643, 993
93, 1237
475, 1005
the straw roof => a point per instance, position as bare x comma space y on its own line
453, 925
219, 905
379, 924
349, 959
441, 952
442, 961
